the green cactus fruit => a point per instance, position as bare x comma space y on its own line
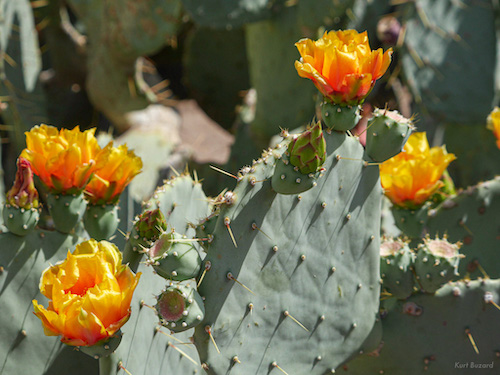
180, 307
338, 117
307, 152
101, 221
174, 258
436, 263
151, 224
147, 229
411, 222
19, 220
396, 261
104, 347
387, 134
66, 210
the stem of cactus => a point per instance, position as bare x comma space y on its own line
109, 365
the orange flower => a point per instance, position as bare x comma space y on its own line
413, 176
89, 292
494, 124
115, 169
63, 159
342, 65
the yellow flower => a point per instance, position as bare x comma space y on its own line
341, 65
89, 292
115, 169
494, 124
413, 176
63, 159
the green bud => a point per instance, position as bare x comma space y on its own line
308, 151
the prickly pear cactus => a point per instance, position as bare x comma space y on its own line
182, 202
439, 34
396, 263
228, 13
446, 333
288, 271
471, 217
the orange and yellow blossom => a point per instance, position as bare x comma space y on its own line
63, 159
413, 176
115, 169
494, 124
89, 292
341, 65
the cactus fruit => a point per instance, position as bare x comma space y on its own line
338, 117
174, 257
66, 210
180, 307
436, 263
19, 220
101, 221
396, 264
387, 134
103, 348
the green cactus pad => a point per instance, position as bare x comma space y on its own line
428, 334
411, 222
471, 217
183, 203
101, 222
340, 118
451, 31
396, 262
66, 210
228, 13
174, 260
387, 134
180, 307
20, 221
436, 263
205, 229
276, 284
